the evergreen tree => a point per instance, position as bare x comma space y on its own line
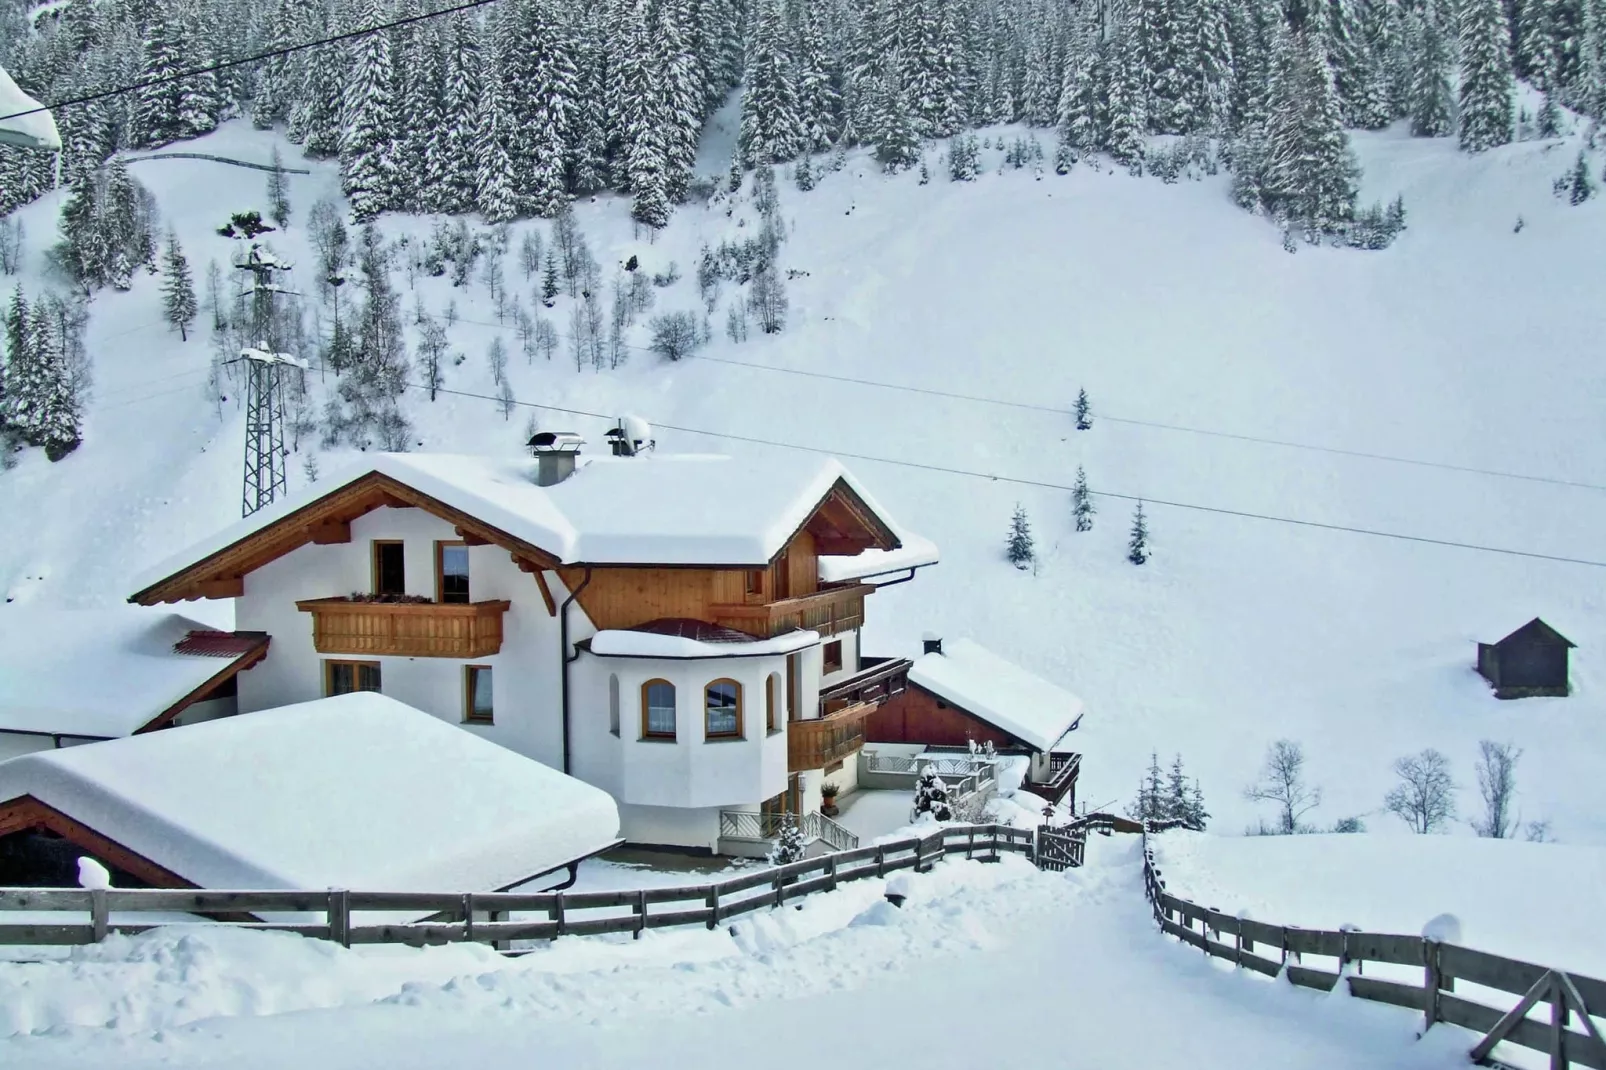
494, 185
169, 110
452, 178
1357, 78
1125, 103
1082, 502
17, 356
179, 305
544, 71
818, 99
316, 123
1137, 547
1486, 87
894, 131
679, 98
1309, 174
789, 845
549, 276
933, 797
1150, 802
1019, 549
1084, 412
42, 391
1578, 184
1547, 122
1174, 803
771, 130
1194, 812
1431, 99
368, 128
279, 191
1588, 94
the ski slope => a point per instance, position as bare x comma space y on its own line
982, 963
1468, 345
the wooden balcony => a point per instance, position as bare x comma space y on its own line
406, 629
829, 612
817, 743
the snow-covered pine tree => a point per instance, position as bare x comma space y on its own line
279, 191
1547, 121
43, 392
895, 130
451, 175
1174, 802
1213, 89
1125, 97
932, 796
1149, 805
1080, 99
368, 127
316, 121
1082, 502
493, 179
179, 305
1578, 184
1356, 73
1309, 175
771, 130
1084, 411
549, 276
1588, 93
1537, 54
1137, 546
1194, 812
1166, 53
1486, 85
679, 97
124, 219
1019, 549
817, 96
547, 81
1431, 100
16, 355
169, 110
789, 845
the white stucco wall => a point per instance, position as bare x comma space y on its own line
690, 771
208, 710
672, 826
525, 680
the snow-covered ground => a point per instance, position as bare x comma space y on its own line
1470, 344
982, 960
1390, 884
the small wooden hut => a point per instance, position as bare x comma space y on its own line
1530, 661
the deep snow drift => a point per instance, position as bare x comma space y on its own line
1468, 344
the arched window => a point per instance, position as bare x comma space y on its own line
773, 715
722, 710
658, 710
613, 703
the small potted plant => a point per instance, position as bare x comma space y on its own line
828, 793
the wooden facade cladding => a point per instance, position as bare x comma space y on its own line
918, 716
816, 743
829, 612
406, 629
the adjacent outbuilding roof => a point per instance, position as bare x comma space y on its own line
671, 510
105, 673
359, 791
999, 692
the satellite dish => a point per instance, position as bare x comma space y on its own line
36, 130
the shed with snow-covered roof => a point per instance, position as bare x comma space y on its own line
959, 694
79, 675
358, 791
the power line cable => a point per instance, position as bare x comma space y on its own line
1046, 485
272, 53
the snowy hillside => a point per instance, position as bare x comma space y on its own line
1468, 344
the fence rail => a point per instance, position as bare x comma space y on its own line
486, 917
1569, 1038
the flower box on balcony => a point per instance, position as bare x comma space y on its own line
406, 629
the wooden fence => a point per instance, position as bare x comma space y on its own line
486, 916
1281, 949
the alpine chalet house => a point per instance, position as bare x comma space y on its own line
679, 630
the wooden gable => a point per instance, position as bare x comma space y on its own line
323, 522
28, 814
843, 524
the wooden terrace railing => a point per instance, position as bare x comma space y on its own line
406, 629
829, 612
877, 683
811, 744
1063, 769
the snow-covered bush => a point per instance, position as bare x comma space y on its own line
932, 797
789, 845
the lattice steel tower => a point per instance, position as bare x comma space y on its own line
264, 395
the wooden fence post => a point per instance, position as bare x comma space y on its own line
639, 908
1430, 983
98, 918
880, 860
713, 906
468, 916
556, 914
830, 872
340, 916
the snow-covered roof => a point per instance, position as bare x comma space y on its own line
663, 509
35, 131
359, 791
652, 640
97, 672
999, 692
916, 552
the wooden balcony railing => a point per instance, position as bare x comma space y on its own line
406, 629
816, 743
876, 684
1063, 769
829, 612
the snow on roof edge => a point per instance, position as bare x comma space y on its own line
624, 643
999, 692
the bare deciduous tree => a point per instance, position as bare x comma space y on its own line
1497, 783
675, 335
10, 245
1425, 796
1282, 781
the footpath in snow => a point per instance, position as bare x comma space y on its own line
983, 964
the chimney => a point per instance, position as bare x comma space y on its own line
931, 643
555, 453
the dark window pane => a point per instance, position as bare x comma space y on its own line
390, 570
479, 695
340, 678
454, 573
721, 709
660, 709
368, 678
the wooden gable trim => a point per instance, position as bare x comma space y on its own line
26, 812
973, 715
222, 574
842, 507
245, 661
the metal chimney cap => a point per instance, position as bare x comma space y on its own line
555, 442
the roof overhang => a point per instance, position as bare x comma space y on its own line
324, 521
